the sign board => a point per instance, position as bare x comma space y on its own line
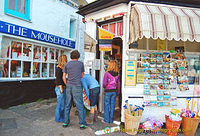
105, 40
96, 64
13, 29
130, 73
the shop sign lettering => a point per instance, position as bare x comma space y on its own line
33, 34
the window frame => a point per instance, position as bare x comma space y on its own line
54, 62
25, 16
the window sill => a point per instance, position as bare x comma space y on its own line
24, 79
27, 20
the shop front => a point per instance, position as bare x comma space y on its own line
160, 53
28, 59
164, 44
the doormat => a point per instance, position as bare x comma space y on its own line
9, 123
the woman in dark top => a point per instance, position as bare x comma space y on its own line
60, 89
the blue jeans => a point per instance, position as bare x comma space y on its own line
109, 106
75, 92
94, 94
59, 115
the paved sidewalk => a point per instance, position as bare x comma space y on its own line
37, 119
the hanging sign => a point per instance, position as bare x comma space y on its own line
13, 29
105, 40
130, 73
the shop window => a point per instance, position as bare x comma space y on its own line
57, 55
4, 68
16, 48
139, 44
62, 52
51, 55
18, 8
5, 48
26, 60
27, 52
112, 28
72, 28
105, 27
192, 46
44, 54
15, 68
120, 28
37, 53
51, 70
26, 69
44, 69
152, 44
36, 69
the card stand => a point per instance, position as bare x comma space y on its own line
156, 79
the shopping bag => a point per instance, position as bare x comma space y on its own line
86, 101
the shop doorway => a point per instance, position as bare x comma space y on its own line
115, 54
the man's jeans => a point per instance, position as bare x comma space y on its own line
109, 106
59, 115
77, 93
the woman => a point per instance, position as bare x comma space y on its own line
111, 84
60, 89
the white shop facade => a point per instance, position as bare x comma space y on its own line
155, 37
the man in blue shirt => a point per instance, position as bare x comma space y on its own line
92, 89
75, 71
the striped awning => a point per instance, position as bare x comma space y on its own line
164, 22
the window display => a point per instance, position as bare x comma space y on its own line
15, 68
57, 55
51, 55
51, 70
4, 67
44, 54
26, 69
27, 51
16, 48
26, 60
36, 69
44, 69
37, 53
5, 49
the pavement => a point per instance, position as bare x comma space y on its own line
37, 119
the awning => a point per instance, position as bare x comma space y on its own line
164, 22
89, 43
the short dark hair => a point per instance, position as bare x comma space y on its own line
75, 54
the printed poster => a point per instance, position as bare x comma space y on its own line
130, 73
105, 40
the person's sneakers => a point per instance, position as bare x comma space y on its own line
65, 125
83, 126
